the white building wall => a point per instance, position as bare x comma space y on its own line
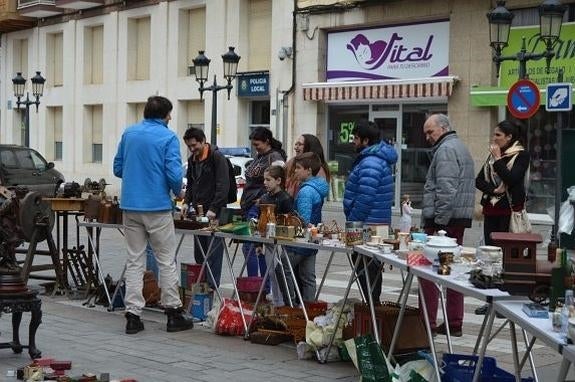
225, 24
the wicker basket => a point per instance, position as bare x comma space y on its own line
295, 319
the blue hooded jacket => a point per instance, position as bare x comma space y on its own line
309, 199
369, 189
149, 162
308, 204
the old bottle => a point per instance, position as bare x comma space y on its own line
117, 218
267, 215
552, 249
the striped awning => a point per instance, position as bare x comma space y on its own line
430, 87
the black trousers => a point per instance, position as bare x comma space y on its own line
373, 270
494, 224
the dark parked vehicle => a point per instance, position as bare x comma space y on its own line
23, 166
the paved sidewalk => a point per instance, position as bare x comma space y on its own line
95, 342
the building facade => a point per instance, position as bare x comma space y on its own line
307, 66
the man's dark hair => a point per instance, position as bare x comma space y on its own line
308, 160
195, 133
157, 107
366, 130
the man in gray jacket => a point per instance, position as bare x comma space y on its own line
448, 202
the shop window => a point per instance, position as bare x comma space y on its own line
540, 139
340, 150
415, 151
260, 113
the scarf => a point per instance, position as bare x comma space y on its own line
490, 174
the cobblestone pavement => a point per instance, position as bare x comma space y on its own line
94, 340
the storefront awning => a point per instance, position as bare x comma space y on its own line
489, 96
495, 96
429, 87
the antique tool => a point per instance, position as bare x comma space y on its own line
95, 188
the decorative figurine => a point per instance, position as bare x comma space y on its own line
406, 211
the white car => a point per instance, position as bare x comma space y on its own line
240, 164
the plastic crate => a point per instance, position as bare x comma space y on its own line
460, 368
189, 274
249, 284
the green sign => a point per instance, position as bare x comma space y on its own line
345, 129
564, 57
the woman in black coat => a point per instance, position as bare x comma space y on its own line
502, 181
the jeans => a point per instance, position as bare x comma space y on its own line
254, 262
306, 265
275, 279
157, 228
454, 300
215, 259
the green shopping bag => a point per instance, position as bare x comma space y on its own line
369, 359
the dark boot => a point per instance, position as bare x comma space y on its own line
133, 324
178, 320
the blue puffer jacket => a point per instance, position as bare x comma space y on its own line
309, 199
308, 204
369, 189
148, 161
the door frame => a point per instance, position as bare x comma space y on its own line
397, 115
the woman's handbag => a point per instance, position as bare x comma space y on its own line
519, 222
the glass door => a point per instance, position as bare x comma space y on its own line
389, 124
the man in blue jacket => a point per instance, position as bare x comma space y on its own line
148, 161
369, 191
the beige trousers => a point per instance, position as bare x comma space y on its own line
158, 229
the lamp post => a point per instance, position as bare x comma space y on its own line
550, 20
19, 84
200, 71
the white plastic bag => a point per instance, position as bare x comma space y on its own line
567, 213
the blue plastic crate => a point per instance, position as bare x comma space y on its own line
460, 368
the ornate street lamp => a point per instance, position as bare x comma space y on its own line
550, 20
200, 71
19, 85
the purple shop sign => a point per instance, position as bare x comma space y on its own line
394, 52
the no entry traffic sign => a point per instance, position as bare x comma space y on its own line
523, 99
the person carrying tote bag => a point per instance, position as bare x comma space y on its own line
503, 179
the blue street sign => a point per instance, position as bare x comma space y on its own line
523, 99
253, 84
559, 97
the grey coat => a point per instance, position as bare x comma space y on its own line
449, 191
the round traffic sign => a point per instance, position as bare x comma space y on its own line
523, 99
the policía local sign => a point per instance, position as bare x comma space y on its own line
523, 99
253, 84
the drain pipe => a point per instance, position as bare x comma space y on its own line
286, 93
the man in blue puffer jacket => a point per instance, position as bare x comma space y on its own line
369, 191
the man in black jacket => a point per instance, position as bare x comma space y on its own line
208, 185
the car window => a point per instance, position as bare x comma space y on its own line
25, 159
8, 159
39, 162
